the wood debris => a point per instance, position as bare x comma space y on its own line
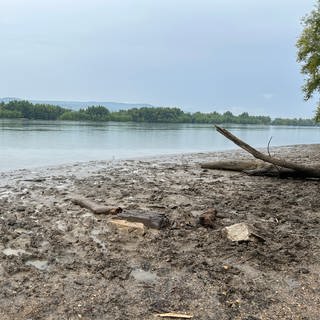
208, 218
175, 315
95, 207
280, 167
153, 220
127, 224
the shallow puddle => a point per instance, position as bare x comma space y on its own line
39, 264
94, 235
144, 276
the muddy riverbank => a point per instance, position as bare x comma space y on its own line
59, 261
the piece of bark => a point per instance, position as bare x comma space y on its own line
305, 171
175, 315
207, 219
153, 220
127, 224
35, 180
95, 207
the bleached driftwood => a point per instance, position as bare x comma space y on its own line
273, 167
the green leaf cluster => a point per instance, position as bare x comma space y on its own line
25, 109
308, 54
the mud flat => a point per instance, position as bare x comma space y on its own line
60, 261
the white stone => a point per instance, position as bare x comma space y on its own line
237, 232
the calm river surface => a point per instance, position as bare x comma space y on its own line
27, 144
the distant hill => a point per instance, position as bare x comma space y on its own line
76, 105
7, 99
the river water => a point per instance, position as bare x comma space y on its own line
28, 144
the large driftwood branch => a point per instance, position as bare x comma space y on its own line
234, 165
253, 168
298, 169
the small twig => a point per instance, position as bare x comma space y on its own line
269, 146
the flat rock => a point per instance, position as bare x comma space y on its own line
237, 232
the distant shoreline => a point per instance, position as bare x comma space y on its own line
86, 168
27, 110
164, 122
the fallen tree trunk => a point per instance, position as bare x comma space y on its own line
234, 165
280, 166
253, 168
272, 171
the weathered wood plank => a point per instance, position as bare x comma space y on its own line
153, 220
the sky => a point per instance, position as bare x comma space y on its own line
199, 55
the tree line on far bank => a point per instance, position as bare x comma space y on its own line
28, 110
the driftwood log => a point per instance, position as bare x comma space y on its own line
95, 207
253, 168
153, 220
268, 165
234, 165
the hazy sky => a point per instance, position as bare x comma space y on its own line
203, 55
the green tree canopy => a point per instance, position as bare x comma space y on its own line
309, 54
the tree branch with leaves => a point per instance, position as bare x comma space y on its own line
308, 55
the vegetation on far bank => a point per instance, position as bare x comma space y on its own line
27, 110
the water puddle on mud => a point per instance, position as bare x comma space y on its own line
39, 264
22, 231
94, 235
5, 193
144, 276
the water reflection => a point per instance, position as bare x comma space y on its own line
25, 143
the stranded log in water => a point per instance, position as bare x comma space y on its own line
272, 167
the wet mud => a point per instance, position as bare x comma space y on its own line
60, 261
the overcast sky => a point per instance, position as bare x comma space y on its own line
205, 55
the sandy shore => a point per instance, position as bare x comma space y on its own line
59, 261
